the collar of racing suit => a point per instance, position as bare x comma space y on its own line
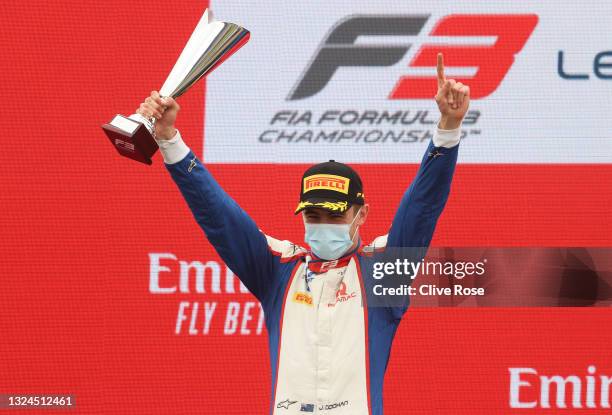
319, 266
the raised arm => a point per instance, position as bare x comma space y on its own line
423, 202
233, 234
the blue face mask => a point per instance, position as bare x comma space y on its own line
329, 241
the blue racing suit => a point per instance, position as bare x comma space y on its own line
328, 349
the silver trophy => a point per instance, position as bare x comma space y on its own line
210, 44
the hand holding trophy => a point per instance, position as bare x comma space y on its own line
210, 44
163, 111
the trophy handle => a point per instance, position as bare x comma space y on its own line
149, 123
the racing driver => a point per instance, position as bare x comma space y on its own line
328, 348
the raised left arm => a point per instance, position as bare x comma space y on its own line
423, 202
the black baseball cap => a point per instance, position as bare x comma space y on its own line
331, 185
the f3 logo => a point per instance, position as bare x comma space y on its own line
492, 61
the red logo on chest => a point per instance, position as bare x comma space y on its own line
342, 295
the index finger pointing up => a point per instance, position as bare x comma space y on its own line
440, 70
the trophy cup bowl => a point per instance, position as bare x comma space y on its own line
211, 43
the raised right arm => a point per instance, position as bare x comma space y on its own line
233, 234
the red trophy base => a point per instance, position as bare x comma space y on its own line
131, 138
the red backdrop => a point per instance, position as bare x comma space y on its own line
79, 222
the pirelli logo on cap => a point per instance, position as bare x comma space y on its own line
326, 182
